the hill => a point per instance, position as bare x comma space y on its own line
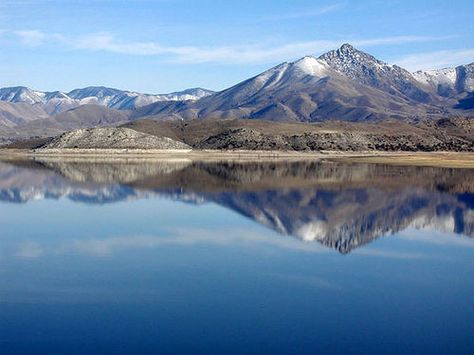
111, 138
445, 134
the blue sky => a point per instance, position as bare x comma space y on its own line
159, 46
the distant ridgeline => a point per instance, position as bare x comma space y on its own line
345, 84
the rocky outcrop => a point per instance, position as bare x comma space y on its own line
244, 138
112, 138
447, 134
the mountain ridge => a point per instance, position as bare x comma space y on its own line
58, 101
345, 84
449, 81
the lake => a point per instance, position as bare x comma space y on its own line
191, 257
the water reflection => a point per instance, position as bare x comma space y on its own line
341, 206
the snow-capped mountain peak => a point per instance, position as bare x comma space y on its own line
291, 72
465, 80
445, 75
312, 66
348, 59
98, 92
20, 94
367, 70
57, 101
55, 95
448, 81
441, 80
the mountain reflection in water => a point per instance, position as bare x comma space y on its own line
342, 206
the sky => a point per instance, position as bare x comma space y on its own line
160, 46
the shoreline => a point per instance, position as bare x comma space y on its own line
434, 159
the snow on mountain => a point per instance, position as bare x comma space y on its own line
444, 76
57, 101
283, 76
465, 81
98, 92
21, 94
120, 99
286, 72
55, 95
441, 80
343, 84
353, 63
448, 81
368, 70
312, 66
188, 94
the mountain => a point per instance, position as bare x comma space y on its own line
448, 81
117, 138
367, 70
12, 115
25, 112
21, 94
56, 102
85, 116
441, 80
344, 84
456, 83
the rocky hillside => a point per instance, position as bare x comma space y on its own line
111, 138
445, 134
455, 134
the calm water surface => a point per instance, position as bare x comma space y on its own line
194, 257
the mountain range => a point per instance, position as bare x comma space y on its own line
19, 105
344, 84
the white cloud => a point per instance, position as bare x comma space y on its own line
308, 13
232, 54
32, 38
229, 54
397, 40
108, 42
436, 60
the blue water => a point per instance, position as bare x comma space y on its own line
170, 269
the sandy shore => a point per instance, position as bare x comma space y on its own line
441, 159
